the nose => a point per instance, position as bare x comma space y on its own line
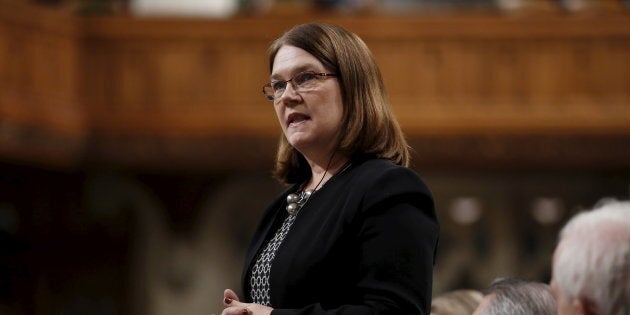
290, 95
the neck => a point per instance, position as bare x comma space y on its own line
321, 172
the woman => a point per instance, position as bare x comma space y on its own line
356, 232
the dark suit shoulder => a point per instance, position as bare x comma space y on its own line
379, 180
387, 177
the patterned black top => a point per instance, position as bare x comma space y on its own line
259, 278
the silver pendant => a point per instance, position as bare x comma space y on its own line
296, 201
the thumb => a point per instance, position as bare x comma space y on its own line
229, 296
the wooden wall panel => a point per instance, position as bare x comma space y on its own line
541, 85
500, 75
41, 116
186, 92
201, 86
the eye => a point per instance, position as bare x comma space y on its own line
278, 86
304, 77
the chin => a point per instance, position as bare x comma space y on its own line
298, 141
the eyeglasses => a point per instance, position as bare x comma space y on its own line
302, 81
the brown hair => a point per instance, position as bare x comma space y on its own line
368, 125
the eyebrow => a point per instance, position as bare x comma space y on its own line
294, 71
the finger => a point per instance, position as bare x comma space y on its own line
236, 310
235, 303
228, 297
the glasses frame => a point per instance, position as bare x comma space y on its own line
272, 97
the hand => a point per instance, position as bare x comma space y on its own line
233, 306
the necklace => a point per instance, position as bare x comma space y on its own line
295, 201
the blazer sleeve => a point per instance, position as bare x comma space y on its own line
396, 232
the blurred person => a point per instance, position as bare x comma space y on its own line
517, 297
356, 232
591, 263
456, 302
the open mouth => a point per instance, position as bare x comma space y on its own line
296, 119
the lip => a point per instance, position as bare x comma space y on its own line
293, 116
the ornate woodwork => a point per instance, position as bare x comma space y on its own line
174, 93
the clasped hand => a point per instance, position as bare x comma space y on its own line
233, 306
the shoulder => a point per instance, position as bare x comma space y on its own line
379, 180
385, 175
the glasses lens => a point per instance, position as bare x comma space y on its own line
268, 91
304, 79
279, 86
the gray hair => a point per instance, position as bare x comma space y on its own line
456, 302
519, 297
592, 260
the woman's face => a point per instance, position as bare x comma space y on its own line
310, 118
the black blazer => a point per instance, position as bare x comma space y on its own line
363, 244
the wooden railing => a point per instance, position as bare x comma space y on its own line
42, 119
185, 93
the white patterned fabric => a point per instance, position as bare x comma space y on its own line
259, 278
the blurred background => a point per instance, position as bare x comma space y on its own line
136, 146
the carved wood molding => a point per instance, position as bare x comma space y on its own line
42, 119
133, 91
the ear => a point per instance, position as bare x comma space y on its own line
583, 306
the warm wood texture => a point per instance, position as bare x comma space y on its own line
185, 93
550, 74
41, 117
